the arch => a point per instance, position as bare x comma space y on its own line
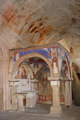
4, 65
76, 63
65, 59
76, 67
4, 48
29, 56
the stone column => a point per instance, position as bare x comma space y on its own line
20, 103
14, 99
55, 108
67, 93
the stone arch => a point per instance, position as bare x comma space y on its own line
76, 63
4, 65
4, 48
29, 56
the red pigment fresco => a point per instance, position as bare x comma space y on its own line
15, 21
39, 19
9, 10
78, 8
32, 24
35, 29
12, 20
40, 40
41, 29
11, 14
29, 17
73, 20
44, 34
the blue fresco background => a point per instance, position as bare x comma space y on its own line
45, 53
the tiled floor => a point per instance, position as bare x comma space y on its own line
41, 112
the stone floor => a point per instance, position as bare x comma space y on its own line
41, 112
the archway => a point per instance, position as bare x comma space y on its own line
76, 83
65, 74
24, 60
30, 56
4, 85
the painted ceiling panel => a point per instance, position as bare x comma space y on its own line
33, 22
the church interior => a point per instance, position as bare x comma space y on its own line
40, 58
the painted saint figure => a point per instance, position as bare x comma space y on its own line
53, 54
54, 64
23, 74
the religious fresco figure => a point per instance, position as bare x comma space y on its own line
18, 73
11, 62
45, 91
54, 61
23, 74
35, 69
55, 64
64, 68
44, 83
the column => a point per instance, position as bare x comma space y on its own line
55, 108
14, 99
67, 93
20, 103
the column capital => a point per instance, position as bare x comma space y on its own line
53, 78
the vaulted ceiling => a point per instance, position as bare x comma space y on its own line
33, 22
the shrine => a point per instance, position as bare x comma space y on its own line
40, 74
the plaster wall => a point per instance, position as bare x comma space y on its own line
76, 88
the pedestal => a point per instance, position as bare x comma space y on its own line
31, 99
55, 108
20, 96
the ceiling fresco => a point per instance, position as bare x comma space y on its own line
26, 23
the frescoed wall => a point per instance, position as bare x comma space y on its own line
38, 68
64, 71
23, 71
45, 90
59, 60
64, 64
49, 53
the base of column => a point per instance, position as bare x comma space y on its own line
55, 110
13, 106
21, 109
